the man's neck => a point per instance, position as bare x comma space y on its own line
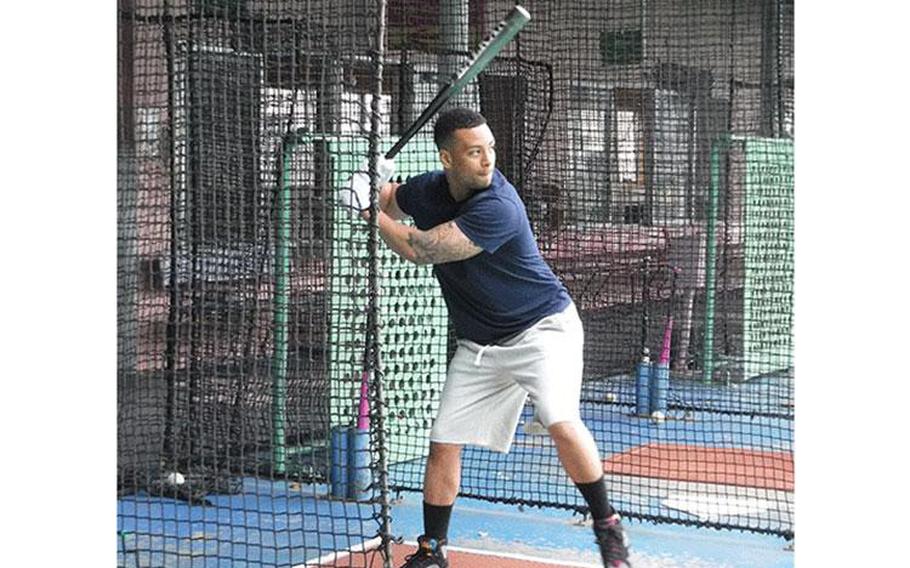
457, 192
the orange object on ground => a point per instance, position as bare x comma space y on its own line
702, 464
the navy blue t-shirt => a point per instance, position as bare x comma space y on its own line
507, 287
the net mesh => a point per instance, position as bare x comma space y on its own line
652, 145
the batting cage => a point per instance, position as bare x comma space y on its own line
279, 367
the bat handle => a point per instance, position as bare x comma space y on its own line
363, 409
665, 348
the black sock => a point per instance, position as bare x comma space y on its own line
436, 520
595, 494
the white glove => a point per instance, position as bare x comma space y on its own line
355, 192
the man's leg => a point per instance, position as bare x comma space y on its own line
578, 454
440, 487
577, 451
581, 460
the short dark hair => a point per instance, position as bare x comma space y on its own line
452, 120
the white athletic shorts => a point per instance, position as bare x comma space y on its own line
487, 385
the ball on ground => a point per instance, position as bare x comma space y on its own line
175, 478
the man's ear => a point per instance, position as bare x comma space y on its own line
446, 158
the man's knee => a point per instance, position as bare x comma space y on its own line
444, 452
568, 430
443, 474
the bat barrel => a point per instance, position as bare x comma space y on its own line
360, 476
509, 28
643, 387
487, 51
338, 473
660, 384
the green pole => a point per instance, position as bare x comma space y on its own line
282, 270
711, 257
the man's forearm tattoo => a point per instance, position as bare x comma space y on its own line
441, 244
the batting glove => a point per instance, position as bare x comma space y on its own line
355, 192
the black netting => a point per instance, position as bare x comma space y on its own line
652, 145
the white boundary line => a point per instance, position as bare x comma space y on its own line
334, 556
375, 542
515, 556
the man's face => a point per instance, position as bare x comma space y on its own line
471, 157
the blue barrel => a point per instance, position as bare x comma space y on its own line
642, 387
359, 474
659, 387
338, 472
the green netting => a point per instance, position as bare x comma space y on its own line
413, 336
768, 285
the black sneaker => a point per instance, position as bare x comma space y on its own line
431, 553
613, 543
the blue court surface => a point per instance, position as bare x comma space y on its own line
282, 523
267, 524
561, 536
761, 502
230, 532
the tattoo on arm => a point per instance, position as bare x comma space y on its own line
443, 243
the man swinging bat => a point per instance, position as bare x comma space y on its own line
518, 331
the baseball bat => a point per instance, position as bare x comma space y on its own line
360, 476
664, 358
661, 383
350, 473
643, 369
363, 407
485, 53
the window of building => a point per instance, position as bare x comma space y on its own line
622, 47
628, 144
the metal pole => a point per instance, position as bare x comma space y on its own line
372, 336
779, 38
173, 311
127, 253
719, 146
281, 303
453, 26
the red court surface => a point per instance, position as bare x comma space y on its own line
460, 557
727, 466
